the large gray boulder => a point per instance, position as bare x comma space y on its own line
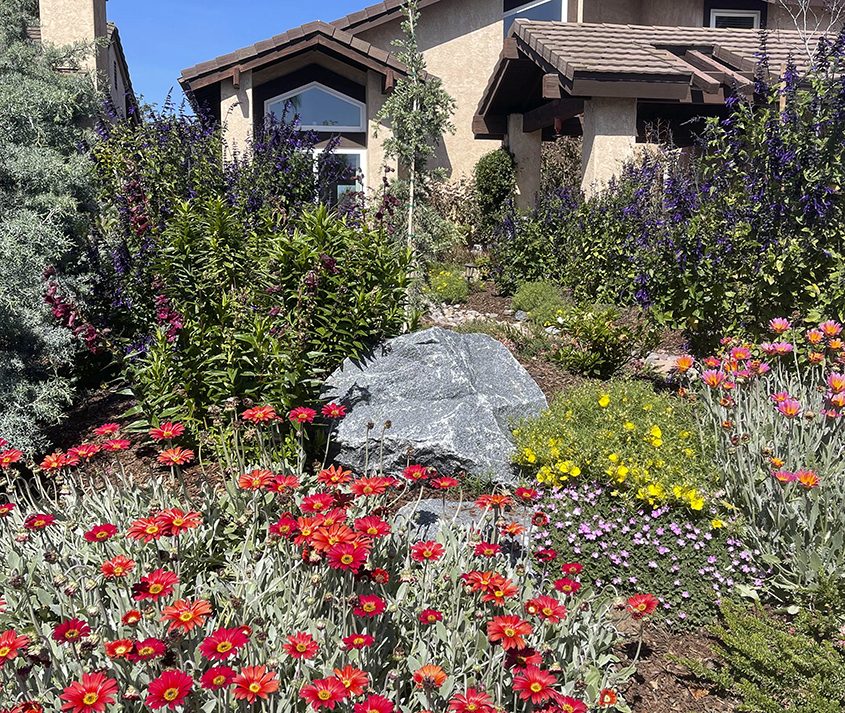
450, 399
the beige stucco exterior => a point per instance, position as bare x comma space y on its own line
610, 137
236, 112
526, 148
68, 22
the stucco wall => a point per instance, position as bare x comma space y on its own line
65, 22
118, 82
236, 107
461, 42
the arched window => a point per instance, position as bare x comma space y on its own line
320, 108
547, 10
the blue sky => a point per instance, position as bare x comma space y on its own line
162, 37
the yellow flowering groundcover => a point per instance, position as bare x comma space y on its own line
645, 444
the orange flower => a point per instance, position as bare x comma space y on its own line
184, 614
167, 431
509, 630
684, 363
354, 680
430, 677
260, 414
145, 529
176, 456
255, 479
118, 566
254, 682
174, 521
607, 697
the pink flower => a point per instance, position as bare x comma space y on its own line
789, 408
779, 325
713, 378
302, 415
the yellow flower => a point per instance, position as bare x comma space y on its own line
574, 471
529, 455
613, 457
696, 502
604, 400
655, 432
716, 524
628, 426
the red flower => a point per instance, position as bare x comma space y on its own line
169, 689
10, 642
545, 554
174, 521
607, 697
85, 451
256, 479
539, 519
132, 617
217, 677
301, 646
260, 414
567, 704
323, 693
316, 503
444, 482
54, 461
6, 509
509, 630
38, 521
487, 549
116, 567
511, 529
145, 529
302, 415
223, 643
641, 605
372, 526
472, 701
546, 608
346, 556
185, 615
369, 605
148, 649
527, 495
119, 649
71, 631
430, 616
534, 684
157, 584
495, 501
167, 431
371, 487
285, 526
429, 677
116, 444
416, 473
91, 695
567, 586
374, 704
101, 533
354, 680
282, 484
521, 658
176, 456
358, 641
7, 457
426, 551
333, 410
333, 476
380, 576
499, 589
254, 682
28, 707
572, 568
107, 429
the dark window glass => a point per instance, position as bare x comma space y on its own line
743, 22
317, 107
548, 11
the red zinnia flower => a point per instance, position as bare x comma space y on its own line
256, 479
157, 584
545, 554
301, 415
534, 684
316, 503
333, 410
285, 526
38, 521
493, 501
217, 677
132, 617
487, 549
223, 643
54, 461
323, 693
10, 642
370, 487
85, 451
116, 567
354, 680
347, 556
6, 509
641, 605
260, 414
145, 529
147, 649
539, 519
473, 701
169, 689
184, 614
114, 445
176, 456
416, 473
607, 697
101, 533
174, 521
334, 476
301, 646
380, 576
567, 704
91, 695
521, 658
282, 484
119, 649
369, 605
546, 608
567, 586
509, 630
71, 631
7, 457
372, 526
28, 707
358, 641
107, 429
429, 677
374, 704
430, 616
167, 431
572, 568
254, 682
427, 551
498, 589
444, 482
526, 494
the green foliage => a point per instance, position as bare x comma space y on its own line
771, 665
540, 300
561, 164
599, 340
495, 182
622, 433
45, 196
448, 284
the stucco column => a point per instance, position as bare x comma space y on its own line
66, 22
610, 138
377, 134
236, 114
526, 150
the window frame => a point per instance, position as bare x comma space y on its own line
715, 12
323, 128
362, 154
531, 4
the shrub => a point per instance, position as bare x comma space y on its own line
448, 284
46, 191
689, 564
274, 559
623, 433
776, 412
561, 165
772, 665
541, 300
495, 182
599, 340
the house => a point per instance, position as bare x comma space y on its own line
509, 65
69, 22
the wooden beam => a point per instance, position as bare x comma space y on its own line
510, 50
551, 86
716, 69
700, 78
548, 114
489, 127
668, 91
236, 78
389, 82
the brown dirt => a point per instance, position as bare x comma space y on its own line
487, 301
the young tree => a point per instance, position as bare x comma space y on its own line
45, 188
814, 19
418, 111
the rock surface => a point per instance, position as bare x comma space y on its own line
450, 399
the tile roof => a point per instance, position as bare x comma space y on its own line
375, 15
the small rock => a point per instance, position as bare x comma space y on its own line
520, 315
